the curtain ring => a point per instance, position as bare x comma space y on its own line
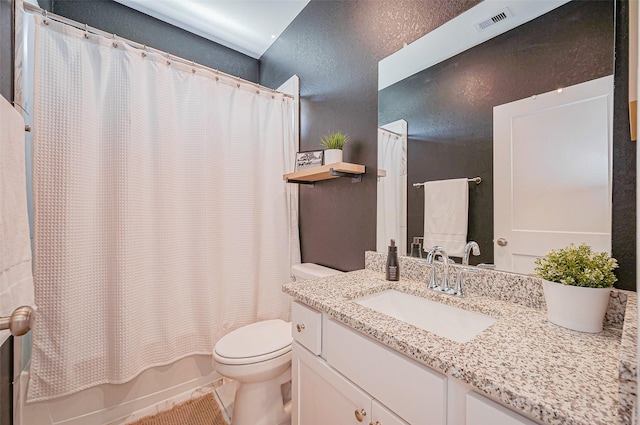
86, 31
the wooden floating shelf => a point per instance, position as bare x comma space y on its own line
326, 172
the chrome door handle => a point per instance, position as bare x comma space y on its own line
502, 242
20, 321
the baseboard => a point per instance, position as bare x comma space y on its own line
153, 391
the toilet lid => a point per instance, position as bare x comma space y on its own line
256, 339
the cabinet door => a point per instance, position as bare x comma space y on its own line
414, 392
482, 411
322, 396
380, 415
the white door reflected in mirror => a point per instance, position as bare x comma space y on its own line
552, 158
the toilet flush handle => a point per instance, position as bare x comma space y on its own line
300, 327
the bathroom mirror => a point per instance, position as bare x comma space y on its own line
449, 104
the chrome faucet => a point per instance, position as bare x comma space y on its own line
431, 256
460, 280
468, 248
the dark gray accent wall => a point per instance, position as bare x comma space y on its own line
449, 108
6, 382
334, 47
6, 90
6, 49
115, 18
623, 229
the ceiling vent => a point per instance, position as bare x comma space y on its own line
500, 16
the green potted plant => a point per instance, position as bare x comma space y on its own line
577, 284
333, 144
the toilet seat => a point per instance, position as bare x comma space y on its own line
254, 343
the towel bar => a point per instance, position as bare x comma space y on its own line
19, 323
476, 180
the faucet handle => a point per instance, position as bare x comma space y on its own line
460, 280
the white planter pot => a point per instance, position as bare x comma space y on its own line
332, 155
575, 307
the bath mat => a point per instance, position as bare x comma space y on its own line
199, 411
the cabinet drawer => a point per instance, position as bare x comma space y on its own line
482, 411
418, 397
307, 327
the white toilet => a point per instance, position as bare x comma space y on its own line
258, 357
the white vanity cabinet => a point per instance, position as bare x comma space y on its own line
341, 377
322, 396
482, 411
324, 392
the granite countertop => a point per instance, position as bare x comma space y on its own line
547, 372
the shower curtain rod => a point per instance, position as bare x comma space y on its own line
47, 15
392, 132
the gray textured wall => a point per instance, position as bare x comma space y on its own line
6, 90
623, 231
335, 47
6, 47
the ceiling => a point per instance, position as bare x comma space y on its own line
248, 26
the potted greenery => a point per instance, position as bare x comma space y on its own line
333, 144
577, 285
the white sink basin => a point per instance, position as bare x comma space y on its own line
450, 322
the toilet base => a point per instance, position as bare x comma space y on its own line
261, 403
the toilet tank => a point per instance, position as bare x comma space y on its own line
309, 271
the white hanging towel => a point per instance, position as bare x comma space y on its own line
16, 281
446, 213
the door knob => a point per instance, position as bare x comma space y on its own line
20, 322
360, 414
502, 242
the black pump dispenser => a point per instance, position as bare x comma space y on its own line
393, 268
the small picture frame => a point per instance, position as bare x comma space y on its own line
309, 159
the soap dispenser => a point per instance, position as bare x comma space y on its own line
393, 268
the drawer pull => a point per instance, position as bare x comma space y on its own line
300, 327
360, 414
377, 423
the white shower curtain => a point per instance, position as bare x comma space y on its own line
161, 218
391, 192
